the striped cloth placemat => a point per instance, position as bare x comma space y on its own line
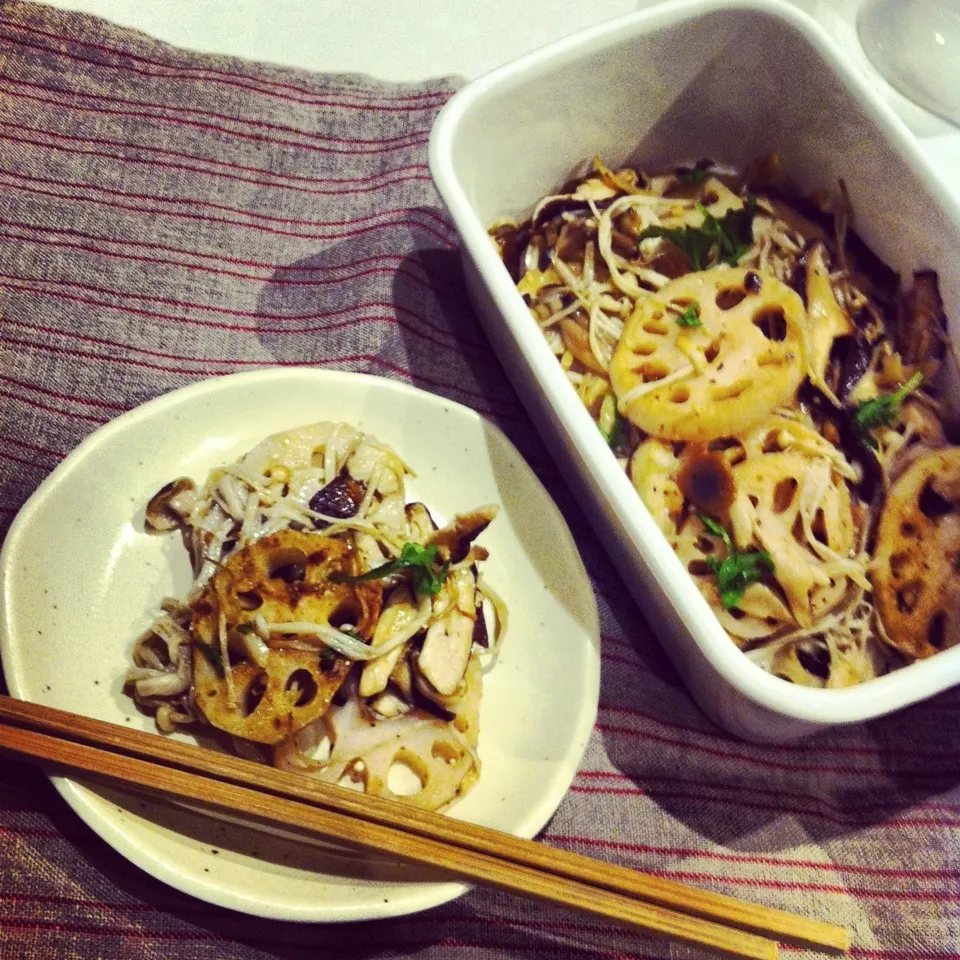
167, 216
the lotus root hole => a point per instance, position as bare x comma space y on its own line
354, 776
784, 493
772, 323
730, 391
931, 504
446, 751
645, 349
656, 326
345, 614
819, 527
908, 529
770, 359
650, 372
301, 687
698, 568
729, 298
680, 395
289, 564
712, 352
253, 694
908, 595
898, 564
937, 630
407, 775
249, 600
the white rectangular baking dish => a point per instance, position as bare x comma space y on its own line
729, 81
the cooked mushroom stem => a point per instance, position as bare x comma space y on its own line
827, 320
453, 541
170, 506
420, 525
446, 648
398, 613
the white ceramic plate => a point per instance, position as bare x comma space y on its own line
81, 579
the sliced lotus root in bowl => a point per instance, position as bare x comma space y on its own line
746, 356
417, 757
916, 565
269, 693
269, 702
798, 509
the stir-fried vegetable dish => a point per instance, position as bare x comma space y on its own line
771, 390
332, 627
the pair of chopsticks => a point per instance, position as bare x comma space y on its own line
109, 753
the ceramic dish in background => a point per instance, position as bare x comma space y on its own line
729, 81
81, 580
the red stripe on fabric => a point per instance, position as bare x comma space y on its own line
211, 371
29, 831
392, 318
818, 749
755, 859
741, 802
429, 101
796, 886
380, 216
768, 762
404, 943
220, 271
427, 279
83, 401
17, 442
894, 954
10, 458
183, 215
337, 146
406, 375
175, 112
739, 788
346, 186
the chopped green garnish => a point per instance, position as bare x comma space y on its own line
696, 174
419, 561
737, 570
210, 655
726, 239
690, 317
612, 425
883, 410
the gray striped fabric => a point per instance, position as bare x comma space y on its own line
166, 217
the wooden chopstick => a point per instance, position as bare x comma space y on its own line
160, 766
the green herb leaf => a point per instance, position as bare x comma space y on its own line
618, 433
715, 529
419, 561
690, 317
737, 570
883, 410
210, 655
695, 174
726, 239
